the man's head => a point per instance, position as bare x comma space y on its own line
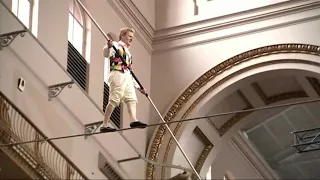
126, 35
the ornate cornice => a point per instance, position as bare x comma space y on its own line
209, 75
132, 17
150, 37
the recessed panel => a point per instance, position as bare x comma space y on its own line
278, 85
231, 103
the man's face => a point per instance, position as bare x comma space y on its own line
128, 38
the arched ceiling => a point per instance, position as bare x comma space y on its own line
294, 86
269, 131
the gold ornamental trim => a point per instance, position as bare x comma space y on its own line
208, 76
229, 124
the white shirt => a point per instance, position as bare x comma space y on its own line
111, 53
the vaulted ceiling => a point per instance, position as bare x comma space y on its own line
270, 130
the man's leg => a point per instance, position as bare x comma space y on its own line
116, 81
130, 98
132, 110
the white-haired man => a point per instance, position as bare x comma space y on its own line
122, 84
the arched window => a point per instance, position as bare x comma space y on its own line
77, 24
77, 63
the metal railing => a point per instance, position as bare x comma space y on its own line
44, 157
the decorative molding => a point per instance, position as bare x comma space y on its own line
229, 124
55, 90
7, 38
124, 9
233, 20
149, 37
173, 45
138, 17
277, 97
236, 117
205, 152
211, 74
315, 84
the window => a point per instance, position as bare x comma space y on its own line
77, 64
22, 9
27, 13
76, 31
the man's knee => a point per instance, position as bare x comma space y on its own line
131, 102
114, 103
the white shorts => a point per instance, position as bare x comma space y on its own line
121, 88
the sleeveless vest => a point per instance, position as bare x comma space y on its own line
116, 63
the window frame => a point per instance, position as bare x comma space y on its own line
73, 7
31, 8
74, 19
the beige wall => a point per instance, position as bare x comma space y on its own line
176, 63
183, 54
180, 12
66, 113
178, 59
148, 9
53, 28
230, 160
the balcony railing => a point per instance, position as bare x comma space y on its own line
45, 158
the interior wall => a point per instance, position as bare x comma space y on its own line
53, 28
227, 161
174, 70
50, 117
230, 160
71, 101
179, 12
147, 9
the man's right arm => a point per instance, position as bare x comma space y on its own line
108, 51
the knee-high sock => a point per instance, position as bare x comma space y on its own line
132, 110
107, 115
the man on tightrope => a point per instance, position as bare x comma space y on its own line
122, 84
